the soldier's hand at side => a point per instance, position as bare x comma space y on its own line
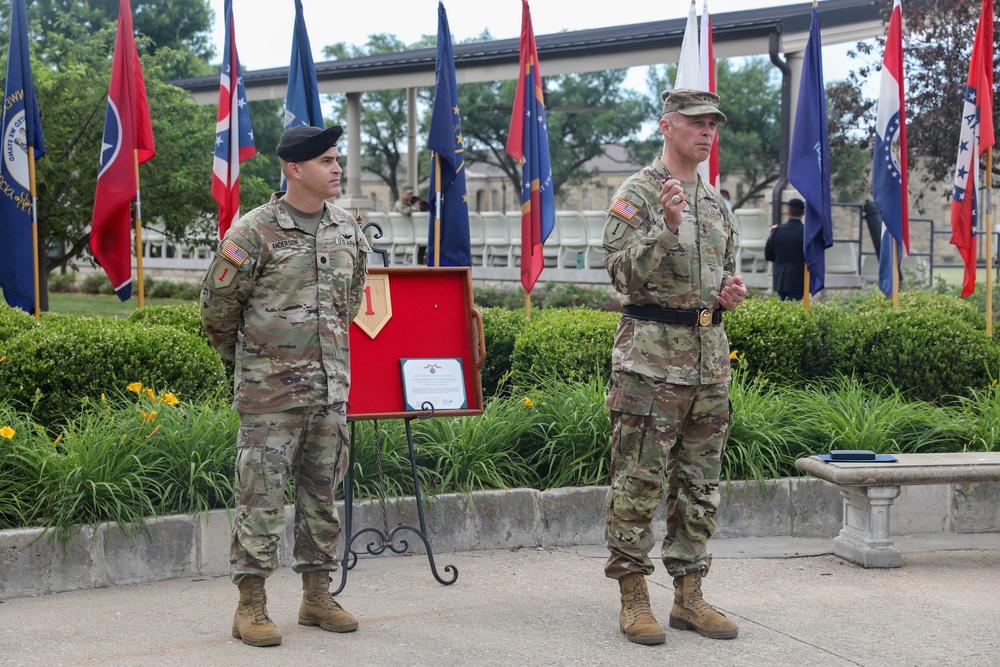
733, 292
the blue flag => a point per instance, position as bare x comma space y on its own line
809, 159
22, 129
449, 217
302, 105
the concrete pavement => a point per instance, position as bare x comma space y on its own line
796, 605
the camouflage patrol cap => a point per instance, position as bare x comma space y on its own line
691, 103
304, 142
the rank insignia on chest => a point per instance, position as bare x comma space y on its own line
623, 209
234, 253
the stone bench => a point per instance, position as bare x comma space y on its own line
869, 489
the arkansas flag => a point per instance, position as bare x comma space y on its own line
128, 142
233, 134
976, 138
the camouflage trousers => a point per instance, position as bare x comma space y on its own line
658, 430
310, 445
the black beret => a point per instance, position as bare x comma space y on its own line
304, 142
796, 205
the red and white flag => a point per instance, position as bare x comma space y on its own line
128, 142
707, 79
975, 139
233, 134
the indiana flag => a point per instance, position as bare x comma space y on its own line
448, 223
809, 159
22, 132
302, 106
528, 143
233, 134
128, 142
889, 156
975, 139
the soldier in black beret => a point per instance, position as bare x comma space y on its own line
278, 301
304, 142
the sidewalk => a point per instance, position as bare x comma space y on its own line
796, 605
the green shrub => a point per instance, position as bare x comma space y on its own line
565, 344
185, 316
97, 283
13, 321
501, 327
773, 338
166, 289
926, 354
55, 369
62, 282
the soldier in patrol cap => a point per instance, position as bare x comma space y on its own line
668, 247
278, 300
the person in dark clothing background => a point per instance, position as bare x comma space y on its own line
784, 248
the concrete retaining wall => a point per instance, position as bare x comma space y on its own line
186, 546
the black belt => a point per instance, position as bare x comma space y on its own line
693, 318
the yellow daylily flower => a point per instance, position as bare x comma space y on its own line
733, 355
135, 387
7, 432
528, 403
58, 439
154, 431
170, 399
3, 359
147, 417
151, 394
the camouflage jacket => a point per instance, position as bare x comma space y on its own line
651, 266
279, 302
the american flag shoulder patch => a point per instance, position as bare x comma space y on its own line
233, 253
622, 209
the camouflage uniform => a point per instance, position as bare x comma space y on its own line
278, 300
669, 396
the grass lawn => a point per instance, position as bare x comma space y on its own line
100, 305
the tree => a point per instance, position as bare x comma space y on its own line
72, 97
583, 113
937, 47
183, 26
383, 123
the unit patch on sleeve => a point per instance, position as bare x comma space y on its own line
233, 253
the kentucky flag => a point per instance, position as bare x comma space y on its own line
450, 214
22, 131
302, 105
809, 159
889, 186
233, 134
976, 137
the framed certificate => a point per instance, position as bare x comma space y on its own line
435, 383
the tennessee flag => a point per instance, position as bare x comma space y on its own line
233, 134
528, 143
976, 138
128, 142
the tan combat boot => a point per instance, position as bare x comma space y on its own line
636, 618
691, 612
319, 607
251, 623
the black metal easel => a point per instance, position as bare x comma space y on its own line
385, 538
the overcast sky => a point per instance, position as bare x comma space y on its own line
264, 27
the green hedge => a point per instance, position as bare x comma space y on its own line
934, 347
54, 369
